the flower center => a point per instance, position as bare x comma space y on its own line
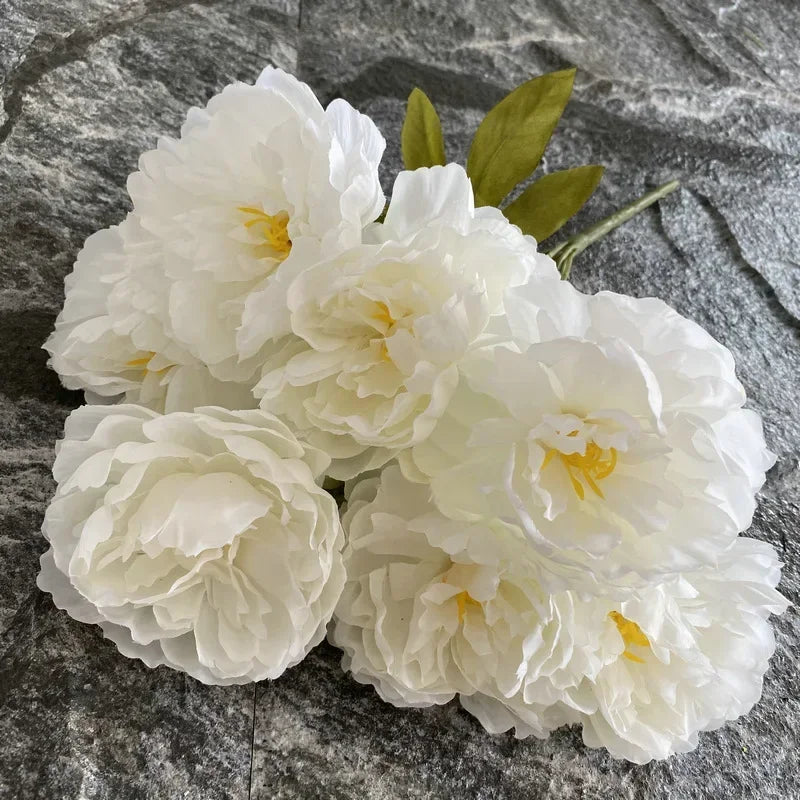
462, 599
143, 364
631, 634
384, 317
592, 465
272, 229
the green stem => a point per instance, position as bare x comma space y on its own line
564, 253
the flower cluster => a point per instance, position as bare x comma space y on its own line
544, 489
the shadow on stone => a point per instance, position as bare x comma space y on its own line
23, 363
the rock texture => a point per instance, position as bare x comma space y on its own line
703, 90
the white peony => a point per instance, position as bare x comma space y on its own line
88, 352
196, 540
261, 181
616, 440
379, 330
435, 608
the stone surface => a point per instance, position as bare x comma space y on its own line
702, 90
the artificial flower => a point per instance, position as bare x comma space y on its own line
379, 330
612, 434
678, 658
197, 540
434, 608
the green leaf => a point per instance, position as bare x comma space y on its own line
511, 139
547, 204
421, 139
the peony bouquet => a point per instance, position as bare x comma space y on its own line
540, 491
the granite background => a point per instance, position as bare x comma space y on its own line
702, 90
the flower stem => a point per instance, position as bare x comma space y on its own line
564, 253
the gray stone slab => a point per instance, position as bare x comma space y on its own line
708, 92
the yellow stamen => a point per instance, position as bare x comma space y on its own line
384, 315
462, 598
604, 468
592, 466
461, 601
143, 364
631, 634
273, 229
